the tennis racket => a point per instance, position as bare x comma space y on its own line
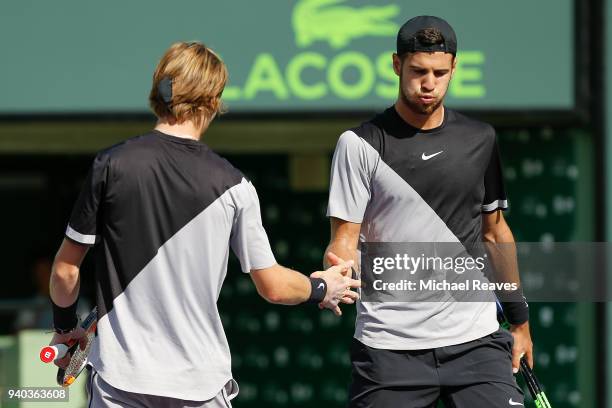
78, 359
534, 386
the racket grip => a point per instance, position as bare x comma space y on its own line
52, 353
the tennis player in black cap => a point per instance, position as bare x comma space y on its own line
420, 172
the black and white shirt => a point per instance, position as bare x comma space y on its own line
404, 184
162, 212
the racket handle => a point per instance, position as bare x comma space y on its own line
52, 353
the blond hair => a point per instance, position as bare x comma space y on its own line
197, 76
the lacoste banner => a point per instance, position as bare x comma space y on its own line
299, 55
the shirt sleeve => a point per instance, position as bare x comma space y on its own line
83, 226
349, 187
249, 240
495, 194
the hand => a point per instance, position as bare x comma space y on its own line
349, 296
338, 283
522, 345
334, 259
76, 335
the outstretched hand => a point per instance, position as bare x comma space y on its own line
339, 283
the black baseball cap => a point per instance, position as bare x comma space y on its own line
408, 42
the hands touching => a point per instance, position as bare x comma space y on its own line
339, 283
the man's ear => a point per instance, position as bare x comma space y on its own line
397, 64
454, 66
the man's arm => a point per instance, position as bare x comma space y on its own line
64, 287
65, 273
343, 241
496, 231
281, 285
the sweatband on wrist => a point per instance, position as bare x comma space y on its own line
516, 308
318, 290
65, 318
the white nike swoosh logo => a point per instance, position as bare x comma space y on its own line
514, 403
321, 285
427, 157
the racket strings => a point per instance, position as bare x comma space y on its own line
78, 360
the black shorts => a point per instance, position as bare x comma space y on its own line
468, 375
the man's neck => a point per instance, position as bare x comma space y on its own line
186, 129
419, 120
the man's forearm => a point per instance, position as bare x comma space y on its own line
501, 249
64, 284
281, 285
65, 280
293, 288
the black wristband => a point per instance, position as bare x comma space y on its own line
516, 308
65, 318
318, 290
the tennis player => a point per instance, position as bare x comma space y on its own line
162, 211
420, 172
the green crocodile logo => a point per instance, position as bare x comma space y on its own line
325, 20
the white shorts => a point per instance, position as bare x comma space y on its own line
104, 395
